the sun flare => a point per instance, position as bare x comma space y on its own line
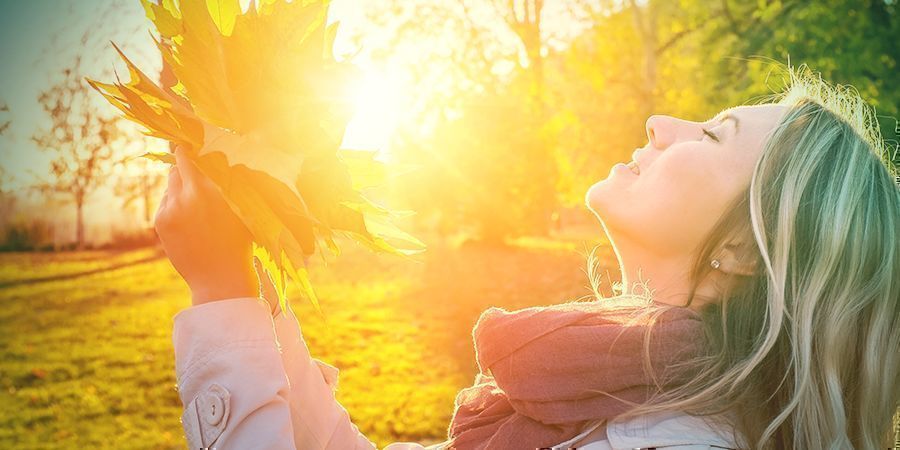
378, 100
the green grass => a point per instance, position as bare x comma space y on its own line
88, 362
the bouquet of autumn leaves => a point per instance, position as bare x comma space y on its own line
259, 106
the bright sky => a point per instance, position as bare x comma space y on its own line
36, 38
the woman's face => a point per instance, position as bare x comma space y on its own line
687, 178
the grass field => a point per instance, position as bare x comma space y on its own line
87, 354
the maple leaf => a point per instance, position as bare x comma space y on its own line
259, 104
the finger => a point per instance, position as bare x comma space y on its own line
185, 169
174, 186
163, 201
160, 216
189, 171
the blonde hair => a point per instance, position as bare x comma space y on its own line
806, 352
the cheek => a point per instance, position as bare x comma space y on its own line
680, 200
678, 180
669, 207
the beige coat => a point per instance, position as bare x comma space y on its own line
247, 381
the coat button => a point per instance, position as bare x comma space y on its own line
212, 404
214, 410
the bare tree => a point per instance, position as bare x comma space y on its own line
7, 198
523, 17
146, 182
5, 122
84, 135
81, 139
144, 185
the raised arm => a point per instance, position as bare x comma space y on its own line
240, 389
229, 371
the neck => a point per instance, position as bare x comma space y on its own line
665, 276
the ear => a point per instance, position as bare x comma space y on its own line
735, 259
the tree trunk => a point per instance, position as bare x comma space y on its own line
147, 212
645, 25
79, 223
147, 194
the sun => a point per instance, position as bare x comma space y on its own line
378, 99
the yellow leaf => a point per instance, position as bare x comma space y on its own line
253, 151
164, 16
259, 103
165, 157
224, 13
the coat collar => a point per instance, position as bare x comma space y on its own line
669, 428
655, 430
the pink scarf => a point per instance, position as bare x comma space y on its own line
539, 365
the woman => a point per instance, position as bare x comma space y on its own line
769, 237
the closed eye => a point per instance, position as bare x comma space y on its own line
710, 134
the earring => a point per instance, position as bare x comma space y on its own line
715, 263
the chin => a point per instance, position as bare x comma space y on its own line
598, 198
607, 200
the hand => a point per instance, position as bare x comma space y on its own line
205, 241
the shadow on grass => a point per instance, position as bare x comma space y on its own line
159, 254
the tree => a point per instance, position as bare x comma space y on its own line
83, 134
81, 139
7, 198
637, 59
5, 122
484, 168
488, 162
139, 178
523, 19
143, 184
849, 42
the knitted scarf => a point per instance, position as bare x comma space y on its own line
543, 371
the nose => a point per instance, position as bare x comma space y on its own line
658, 131
663, 131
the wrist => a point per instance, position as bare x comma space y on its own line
241, 285
201, 296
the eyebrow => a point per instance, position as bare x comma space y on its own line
722, 117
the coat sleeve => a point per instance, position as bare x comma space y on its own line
320, 421
231, 378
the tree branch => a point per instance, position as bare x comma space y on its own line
674, 39
726, 10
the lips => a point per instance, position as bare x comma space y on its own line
634, 167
